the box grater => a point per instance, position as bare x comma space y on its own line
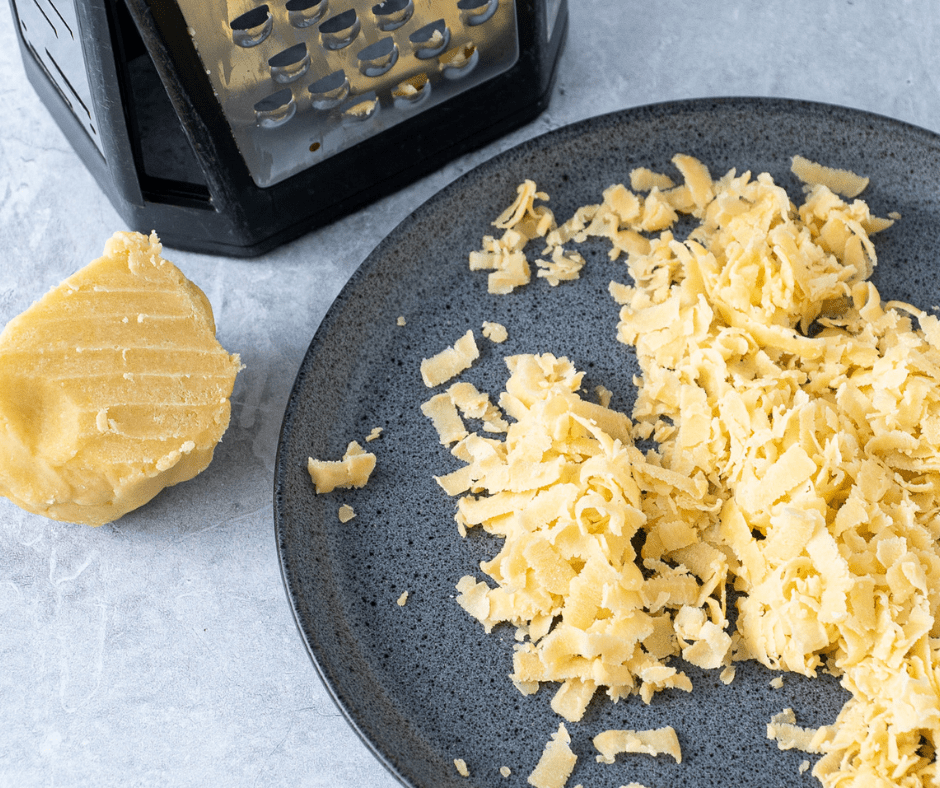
232, 126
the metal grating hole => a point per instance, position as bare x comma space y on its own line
304, 13
290, 64
330, 91
476, 12
363, 108
392, 14
252, 27
459, 62
378, 58
341, 30
412, 92
276, 109
430, 40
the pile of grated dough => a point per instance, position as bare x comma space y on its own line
797, 419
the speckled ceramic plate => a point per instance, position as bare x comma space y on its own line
423, 684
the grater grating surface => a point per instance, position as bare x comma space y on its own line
302, 80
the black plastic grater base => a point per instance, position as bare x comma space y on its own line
219, 209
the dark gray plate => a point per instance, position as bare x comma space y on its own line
423, 684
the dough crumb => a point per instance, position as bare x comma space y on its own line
351, 471
495, 332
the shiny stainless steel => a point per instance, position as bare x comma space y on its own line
301, 80
50, 29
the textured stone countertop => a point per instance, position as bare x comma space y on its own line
161, 650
